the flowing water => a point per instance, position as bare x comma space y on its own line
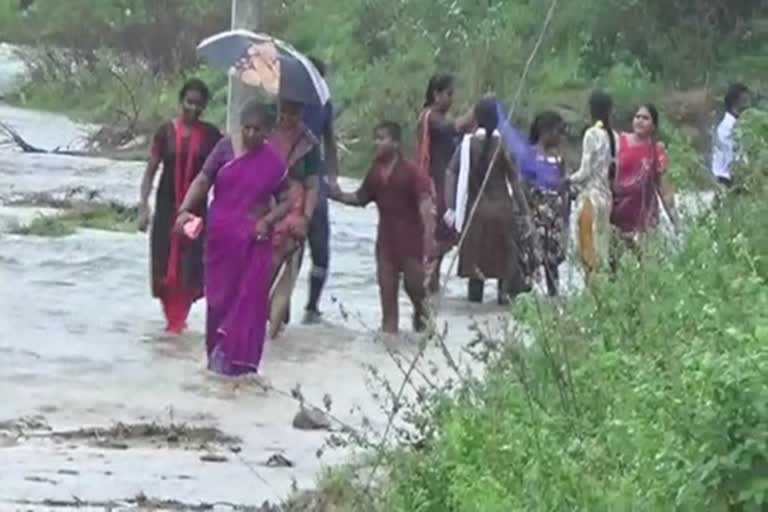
80, 346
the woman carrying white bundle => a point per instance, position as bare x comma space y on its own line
497, 242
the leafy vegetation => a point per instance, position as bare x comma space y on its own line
124, 71
104, 217
380, 54
162, 35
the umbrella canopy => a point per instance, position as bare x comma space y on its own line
260, 60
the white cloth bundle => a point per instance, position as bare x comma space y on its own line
462, 188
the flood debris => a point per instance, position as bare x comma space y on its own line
112, 445
41, 480
214, 458
142, 502
13, 431
25, 424
26, 147
107, 142
279, 460
129, 434
122, 436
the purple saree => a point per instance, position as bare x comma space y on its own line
536, 169
237, 266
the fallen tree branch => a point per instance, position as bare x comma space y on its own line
19, 140
16, 139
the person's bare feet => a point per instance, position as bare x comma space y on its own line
276, 330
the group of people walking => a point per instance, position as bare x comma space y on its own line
508, 197
476, 179
270, 184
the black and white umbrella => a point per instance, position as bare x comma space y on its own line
260, 60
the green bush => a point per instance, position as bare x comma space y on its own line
632, 48
753, 137
381, 54
104, 217
160, 35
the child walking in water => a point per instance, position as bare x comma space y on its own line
403, 197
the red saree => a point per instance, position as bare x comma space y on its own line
635, 187
177, 263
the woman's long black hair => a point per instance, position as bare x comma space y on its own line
546, 122
654, 112
601, 108
487, 118
438, 83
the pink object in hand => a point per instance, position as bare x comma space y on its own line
193, 227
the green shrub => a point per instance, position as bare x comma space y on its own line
381, 55
104, 217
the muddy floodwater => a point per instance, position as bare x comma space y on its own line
98, 407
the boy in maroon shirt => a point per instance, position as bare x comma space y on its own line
402, 195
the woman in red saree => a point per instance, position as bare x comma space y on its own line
640, 180
181, 146
238, 241
436, 140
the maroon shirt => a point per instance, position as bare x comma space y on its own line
398, 196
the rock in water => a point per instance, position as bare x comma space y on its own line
311, 419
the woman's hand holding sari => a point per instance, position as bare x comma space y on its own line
261, 230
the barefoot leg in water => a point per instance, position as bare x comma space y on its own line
434, 275
389, 286
414, 278
285, 274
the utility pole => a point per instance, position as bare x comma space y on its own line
245, 15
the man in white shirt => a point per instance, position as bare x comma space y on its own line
724, 152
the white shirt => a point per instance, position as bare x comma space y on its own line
724, 147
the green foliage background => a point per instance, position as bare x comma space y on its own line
134, 53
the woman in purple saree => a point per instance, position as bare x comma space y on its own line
238, 246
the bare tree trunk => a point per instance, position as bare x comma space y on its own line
245, 15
